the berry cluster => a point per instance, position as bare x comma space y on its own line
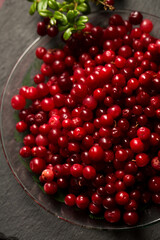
44, 28
94, 119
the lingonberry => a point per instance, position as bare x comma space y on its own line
50, 188
112, 216
21, 126
146, 26
137, 145
82, 201
130, 218
25, 151
37, 165
70, 200
142, 159
96, 153
154, 184
18, 102
122, 198
47, 175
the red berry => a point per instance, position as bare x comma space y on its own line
37, 165
142, 159
122, 198
112, 216
47, 175
89, 172
82, 202
130, 218
50, 188
96, 153
18, 102
70, 200
136, 145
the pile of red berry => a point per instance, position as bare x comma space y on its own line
93, 124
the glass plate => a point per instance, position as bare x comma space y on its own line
24, 70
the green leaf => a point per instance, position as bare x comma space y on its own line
82, 1
27, 78
64, 20
67, 33
28, 102
37, 64
42, 5
60, 195
83, 19
80, 27
96, 217
25, 162
33, 8
58, 15
53, 21
19, 136
16, 116
71, 15
36, 178
61, 17
59, 5
83, 7
62, 28
53, 5
71, 6
45, 13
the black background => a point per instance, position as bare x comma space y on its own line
20, 216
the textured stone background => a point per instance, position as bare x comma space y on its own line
20, 216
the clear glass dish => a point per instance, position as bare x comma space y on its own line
24, 70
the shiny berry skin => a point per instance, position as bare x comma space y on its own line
106, 120
96, 199
90, 102
18, 102
47, 175
156, 198
135, 18
94, 209
96, 153
37, 165
122, 198
142, 159
114, 111
50, 188
79, 133
52, 31
136, 145
47, 104
82, 202
121, 155
128, 180
112, 216
70, 200
76, 170
21, 126
155, 163
40, 52
25, 151
130, 218
41, 28
154, 184
89, 172
146, 26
